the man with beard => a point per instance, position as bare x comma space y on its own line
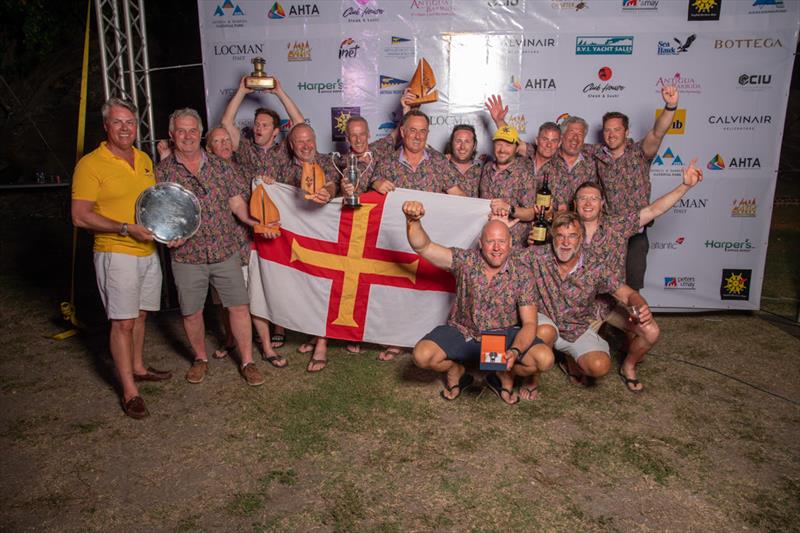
568, 279
493, 293
461, 150
606, 239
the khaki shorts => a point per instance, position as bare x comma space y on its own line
192, 283
128, 283
589, 341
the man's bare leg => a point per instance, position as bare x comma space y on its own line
196, 334
319, 359
242, 332
121, 344
427, 354
536, 360
138, 343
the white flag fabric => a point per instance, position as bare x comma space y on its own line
350, 273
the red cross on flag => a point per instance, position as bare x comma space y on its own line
350, 273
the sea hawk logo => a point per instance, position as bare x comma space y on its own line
682, 47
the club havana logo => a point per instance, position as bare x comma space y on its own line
605, 89
363, 11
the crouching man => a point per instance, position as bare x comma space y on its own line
493, 293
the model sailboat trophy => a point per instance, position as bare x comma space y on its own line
423, 83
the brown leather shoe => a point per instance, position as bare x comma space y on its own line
135, 408
251, 375
197, 372
153, 375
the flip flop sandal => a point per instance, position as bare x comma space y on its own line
277, 340
463, 384
578, 380
274, 359
529, 390
628, 382
313, 362
348, 349
394, 352
494, 384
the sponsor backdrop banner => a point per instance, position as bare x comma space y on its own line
731, 60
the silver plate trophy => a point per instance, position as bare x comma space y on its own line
349, 165
169, 210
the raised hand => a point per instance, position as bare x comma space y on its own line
496, 109
670, 95
692, 175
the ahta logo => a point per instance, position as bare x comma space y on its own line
716, 163
276, 12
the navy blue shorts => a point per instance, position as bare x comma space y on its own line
460, 350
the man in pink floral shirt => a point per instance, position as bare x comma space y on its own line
493, 293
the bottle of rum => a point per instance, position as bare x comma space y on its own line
539, 231
543, 195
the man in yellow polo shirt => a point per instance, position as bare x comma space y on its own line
105, 187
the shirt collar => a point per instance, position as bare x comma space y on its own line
404, 161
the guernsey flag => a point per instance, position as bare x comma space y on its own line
350, 273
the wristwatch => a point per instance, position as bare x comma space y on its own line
668, 108
124, 229
519, 354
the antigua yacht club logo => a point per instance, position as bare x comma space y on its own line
339, 118
735, 284
704, 10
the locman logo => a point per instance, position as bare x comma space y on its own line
228, 8
604, 45
666, 48
735, 284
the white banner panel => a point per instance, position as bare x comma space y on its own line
731, 60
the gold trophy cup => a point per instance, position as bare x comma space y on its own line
258, 79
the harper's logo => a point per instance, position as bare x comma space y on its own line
603, 90
744, 207
740, 122
298, 51
737, 44
679, 283
639, 5
604, 45
744, 246
348, 49
667, 48
701, 10
735, 284
339, 118
322, 87
678, 126
532, 84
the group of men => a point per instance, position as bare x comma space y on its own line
542, 298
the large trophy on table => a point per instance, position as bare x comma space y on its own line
422, 84
349, 165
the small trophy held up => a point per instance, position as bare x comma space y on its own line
263, 209
423, 83
258, 79
312, 180
353, 176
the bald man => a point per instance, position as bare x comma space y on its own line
492, 294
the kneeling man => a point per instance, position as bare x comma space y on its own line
568, 282
493, 293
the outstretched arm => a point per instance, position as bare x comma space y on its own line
436, 254
691, 177
295, 115
496, 110
654, 137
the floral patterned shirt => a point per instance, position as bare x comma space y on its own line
569, 302
626, 180
515, 185
484, 305
471, 179
261, 160
433, 174
382, 150
215, 183
584, 169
